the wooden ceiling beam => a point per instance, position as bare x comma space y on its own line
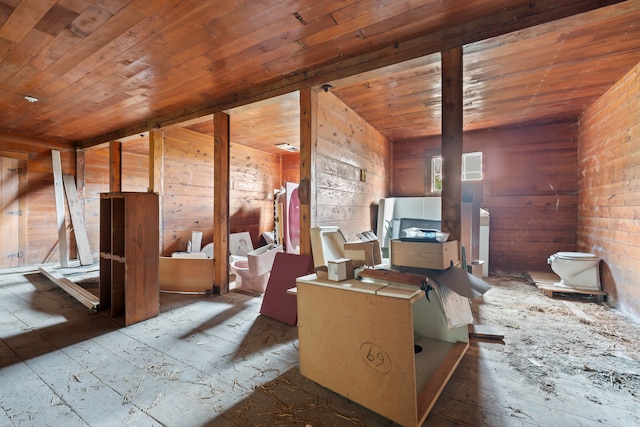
514, 17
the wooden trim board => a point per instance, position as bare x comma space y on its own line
59, 194
85, 297
79, 230
439, 379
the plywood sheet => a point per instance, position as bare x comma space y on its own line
277, 303
75, 210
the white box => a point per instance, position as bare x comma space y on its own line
340, 269
261, 259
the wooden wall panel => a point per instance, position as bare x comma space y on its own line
188, 189
255, 175
135, 170
188, 186
530, 188
347, 144
609, 189
291, 168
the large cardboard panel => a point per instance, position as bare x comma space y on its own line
276, 303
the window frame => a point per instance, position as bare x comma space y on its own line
432, 168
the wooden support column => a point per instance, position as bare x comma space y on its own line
156, 177
308, 145
80, 166
221, 182
156, 161
452, 142
115, 166
58, 190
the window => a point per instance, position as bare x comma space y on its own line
471, 169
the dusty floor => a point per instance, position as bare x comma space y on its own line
581, 357
215, 361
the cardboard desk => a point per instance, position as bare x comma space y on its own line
357, 339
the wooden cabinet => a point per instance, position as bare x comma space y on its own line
360, 339
129, 246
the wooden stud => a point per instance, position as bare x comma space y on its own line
452, 142
80, 168
156, 175
156, 161
221, 181
115, 166
60, 211
308, 145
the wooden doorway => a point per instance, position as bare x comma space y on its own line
10, 251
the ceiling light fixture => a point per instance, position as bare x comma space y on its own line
31, 98
288, 147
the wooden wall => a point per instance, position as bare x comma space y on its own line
530, 188
38, 232
254, 176
187, 201
609, 189
291, 168
135, 177
347, 144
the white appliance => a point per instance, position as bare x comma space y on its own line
396, 212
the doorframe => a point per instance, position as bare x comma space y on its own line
22, 202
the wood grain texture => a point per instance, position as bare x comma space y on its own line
108, 70
609, 189
347, 144
529, 188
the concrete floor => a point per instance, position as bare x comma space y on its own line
214, 361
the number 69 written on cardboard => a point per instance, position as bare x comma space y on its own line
375, 357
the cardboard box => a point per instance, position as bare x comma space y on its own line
322, 272
190, 275
436, 256
364, 253
326, 243
340, 269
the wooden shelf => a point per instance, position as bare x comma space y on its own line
357, 339
129, 245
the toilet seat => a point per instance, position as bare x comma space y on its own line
576, 256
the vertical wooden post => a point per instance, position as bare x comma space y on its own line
115, 166
156, 177
308, 145
452, 142
80, 166
58, 189
80, 171
156, 161
221, 181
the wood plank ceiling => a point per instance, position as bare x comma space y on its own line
107, 69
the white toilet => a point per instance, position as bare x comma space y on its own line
577, 270
248, 279
252, 271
